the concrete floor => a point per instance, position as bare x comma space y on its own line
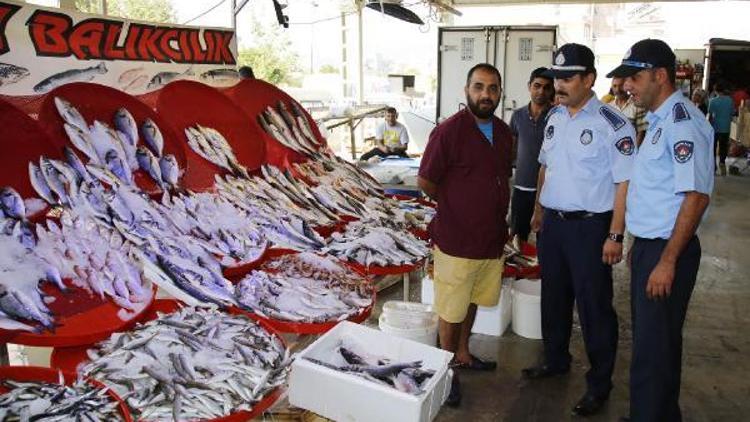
716, 369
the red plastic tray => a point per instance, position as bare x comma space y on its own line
35, 373
390, 270
68, 359
99, 102
81, 318
187, 103
303, 328
239, 271
23, 140
253, 96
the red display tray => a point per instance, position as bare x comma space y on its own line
99, 102
187, 103
23, 141
297, 327
235, 272
68, 359
35, 373
390, 270
80, 318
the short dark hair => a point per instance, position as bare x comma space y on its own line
246, 72
672, 74
484, 66
391, 110
539, 72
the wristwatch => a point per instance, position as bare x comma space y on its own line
615, 237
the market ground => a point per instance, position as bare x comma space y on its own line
716, 367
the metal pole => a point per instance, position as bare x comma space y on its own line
343, 52
360, 58
352, 139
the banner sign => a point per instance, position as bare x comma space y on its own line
43, 48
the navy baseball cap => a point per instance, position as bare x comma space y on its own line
645, 54
571, 59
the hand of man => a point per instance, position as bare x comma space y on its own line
611, 252
660, 281
536, 220
383, 148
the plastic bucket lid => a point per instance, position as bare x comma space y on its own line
412, 308
404, 328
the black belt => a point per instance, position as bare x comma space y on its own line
577, 215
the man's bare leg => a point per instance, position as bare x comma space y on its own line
448, 334
462, 349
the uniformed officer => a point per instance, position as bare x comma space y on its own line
586, 157
669, 192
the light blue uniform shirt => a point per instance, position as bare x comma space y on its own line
585, 155
676, 157
486, 129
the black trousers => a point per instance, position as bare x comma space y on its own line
570, 255
521, 211
375, 151
721, 146
656, 366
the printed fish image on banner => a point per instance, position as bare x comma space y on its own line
136, 84
163, 78
73, 75
220, 75
128, 76
10, 73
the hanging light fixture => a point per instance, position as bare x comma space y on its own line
394, 8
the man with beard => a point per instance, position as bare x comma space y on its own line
465, 168
586, 159
527, 126
623, 101
669, 193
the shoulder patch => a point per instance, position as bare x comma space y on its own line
683, 151
612, 118
680, 113
626, 146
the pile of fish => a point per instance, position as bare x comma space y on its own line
210, 144
407, 377
304, 287
291, 129
42, 401
195, 363
368, 244
112, 156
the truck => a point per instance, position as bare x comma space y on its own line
515, 50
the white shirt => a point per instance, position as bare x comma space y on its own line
392, 136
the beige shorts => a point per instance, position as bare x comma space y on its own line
462, 281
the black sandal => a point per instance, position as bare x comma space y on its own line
476, 364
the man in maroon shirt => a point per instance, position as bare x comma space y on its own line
466, 169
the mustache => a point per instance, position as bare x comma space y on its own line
561, 93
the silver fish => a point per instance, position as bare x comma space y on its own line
150, 164
75, 162
153, 137
170, 170
71, 75
12, 204
118, 166
125, 123
70, 114
19, 305
81, 139
40, 184
10, 73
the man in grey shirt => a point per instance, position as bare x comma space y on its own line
527, 125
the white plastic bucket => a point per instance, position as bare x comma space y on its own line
527, 309
425, 334
409, 320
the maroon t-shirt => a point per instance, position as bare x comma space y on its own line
472, 184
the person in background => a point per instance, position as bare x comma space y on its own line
579, 216
246, 72
740, 96
609, 96
466, 168
699, 100
720, 112
668, 195
527, 126
623, 102
391, 138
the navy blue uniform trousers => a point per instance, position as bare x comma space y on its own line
656, 366
570, 255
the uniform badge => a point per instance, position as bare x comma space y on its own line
560, 59
680, 113
587, 136
656, 137
625, 146
550, 132
683, 151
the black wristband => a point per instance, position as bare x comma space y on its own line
616, 237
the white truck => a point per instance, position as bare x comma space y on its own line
514, 50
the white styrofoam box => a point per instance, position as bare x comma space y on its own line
345, 397
492, 321
527, 308
408, 314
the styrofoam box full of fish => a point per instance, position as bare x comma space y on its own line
492, 321
345, 397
